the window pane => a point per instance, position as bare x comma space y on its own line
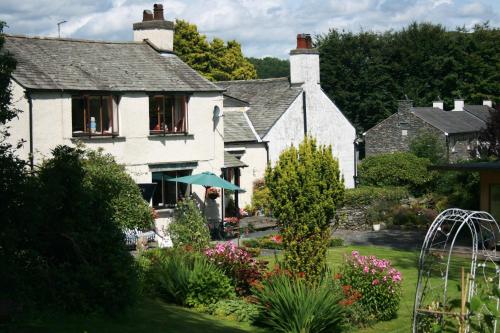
179, 114
95, 114
156, 121
77, 115
168, 114
107, 116
170, 189
115, 114
157, 197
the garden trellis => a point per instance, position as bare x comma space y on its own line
434, 305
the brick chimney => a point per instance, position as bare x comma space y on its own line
155, 29
304, 62
405, 106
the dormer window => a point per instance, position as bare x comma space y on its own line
94, 115
168, 114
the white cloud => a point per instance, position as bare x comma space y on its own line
263, 27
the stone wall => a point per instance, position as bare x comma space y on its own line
352, 218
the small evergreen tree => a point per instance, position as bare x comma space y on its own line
428, 145
189, 227
305, 187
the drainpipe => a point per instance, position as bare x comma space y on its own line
356, 155
266, 145
30, 104
304, 111
447, 147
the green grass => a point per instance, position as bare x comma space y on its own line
157, 316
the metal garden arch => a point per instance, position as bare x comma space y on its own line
431, 299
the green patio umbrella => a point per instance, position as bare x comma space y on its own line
207, 179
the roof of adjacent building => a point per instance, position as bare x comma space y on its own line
237, 127
71, 64
231, 161
449, 121
268, 99
480, 111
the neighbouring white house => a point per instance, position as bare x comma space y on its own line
263, 117
136, 100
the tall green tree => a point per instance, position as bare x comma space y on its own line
215, 60
270, 67
305, 188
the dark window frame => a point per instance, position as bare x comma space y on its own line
161, 188
113, 114
162, 128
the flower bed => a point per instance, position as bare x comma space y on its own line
376, 281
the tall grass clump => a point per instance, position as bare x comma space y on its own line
292, 305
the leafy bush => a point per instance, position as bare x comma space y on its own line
237, 264
117, 189
368, 195
234, 309
260, 198
428, 145
306, 187
377, 282
413, 217
336, 242
461, 189
189, 226
273, 242
291, 305
396, 169
187, 278
81, 259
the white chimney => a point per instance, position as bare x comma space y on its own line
488, 103
438, 104
304, 62
459, 105
155, 29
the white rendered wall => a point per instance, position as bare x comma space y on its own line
287, 131
304, 68
161, 38
134, 148
255, 157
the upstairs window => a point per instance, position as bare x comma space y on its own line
94, 116
168, 114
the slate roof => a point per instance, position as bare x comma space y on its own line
231, 161
480, 111
70, 64
449, 121
268, 98
236, 127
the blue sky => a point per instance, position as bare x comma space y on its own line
263, 27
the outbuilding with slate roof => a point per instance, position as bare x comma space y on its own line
458, 129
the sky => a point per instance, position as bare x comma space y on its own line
263, 27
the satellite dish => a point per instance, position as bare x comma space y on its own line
217, 112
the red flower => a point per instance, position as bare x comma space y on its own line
277, 239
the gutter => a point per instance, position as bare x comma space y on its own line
304, 111
30, 104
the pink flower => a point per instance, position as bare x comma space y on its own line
375, 282
365, 269
355, 253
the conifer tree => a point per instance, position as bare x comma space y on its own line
306, 187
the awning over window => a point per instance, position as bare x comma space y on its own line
173, 166
231, 161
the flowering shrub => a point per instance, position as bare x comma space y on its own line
237, 264
378, 284
231, 228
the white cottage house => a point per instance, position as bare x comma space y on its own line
136, 100
263, 117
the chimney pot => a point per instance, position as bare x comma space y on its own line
158, 12
304, 41
488, 103
147, 15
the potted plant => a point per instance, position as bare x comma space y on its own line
378, 214
213, 193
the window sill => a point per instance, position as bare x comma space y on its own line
98, 138
170, 135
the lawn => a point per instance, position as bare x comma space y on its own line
156, 316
